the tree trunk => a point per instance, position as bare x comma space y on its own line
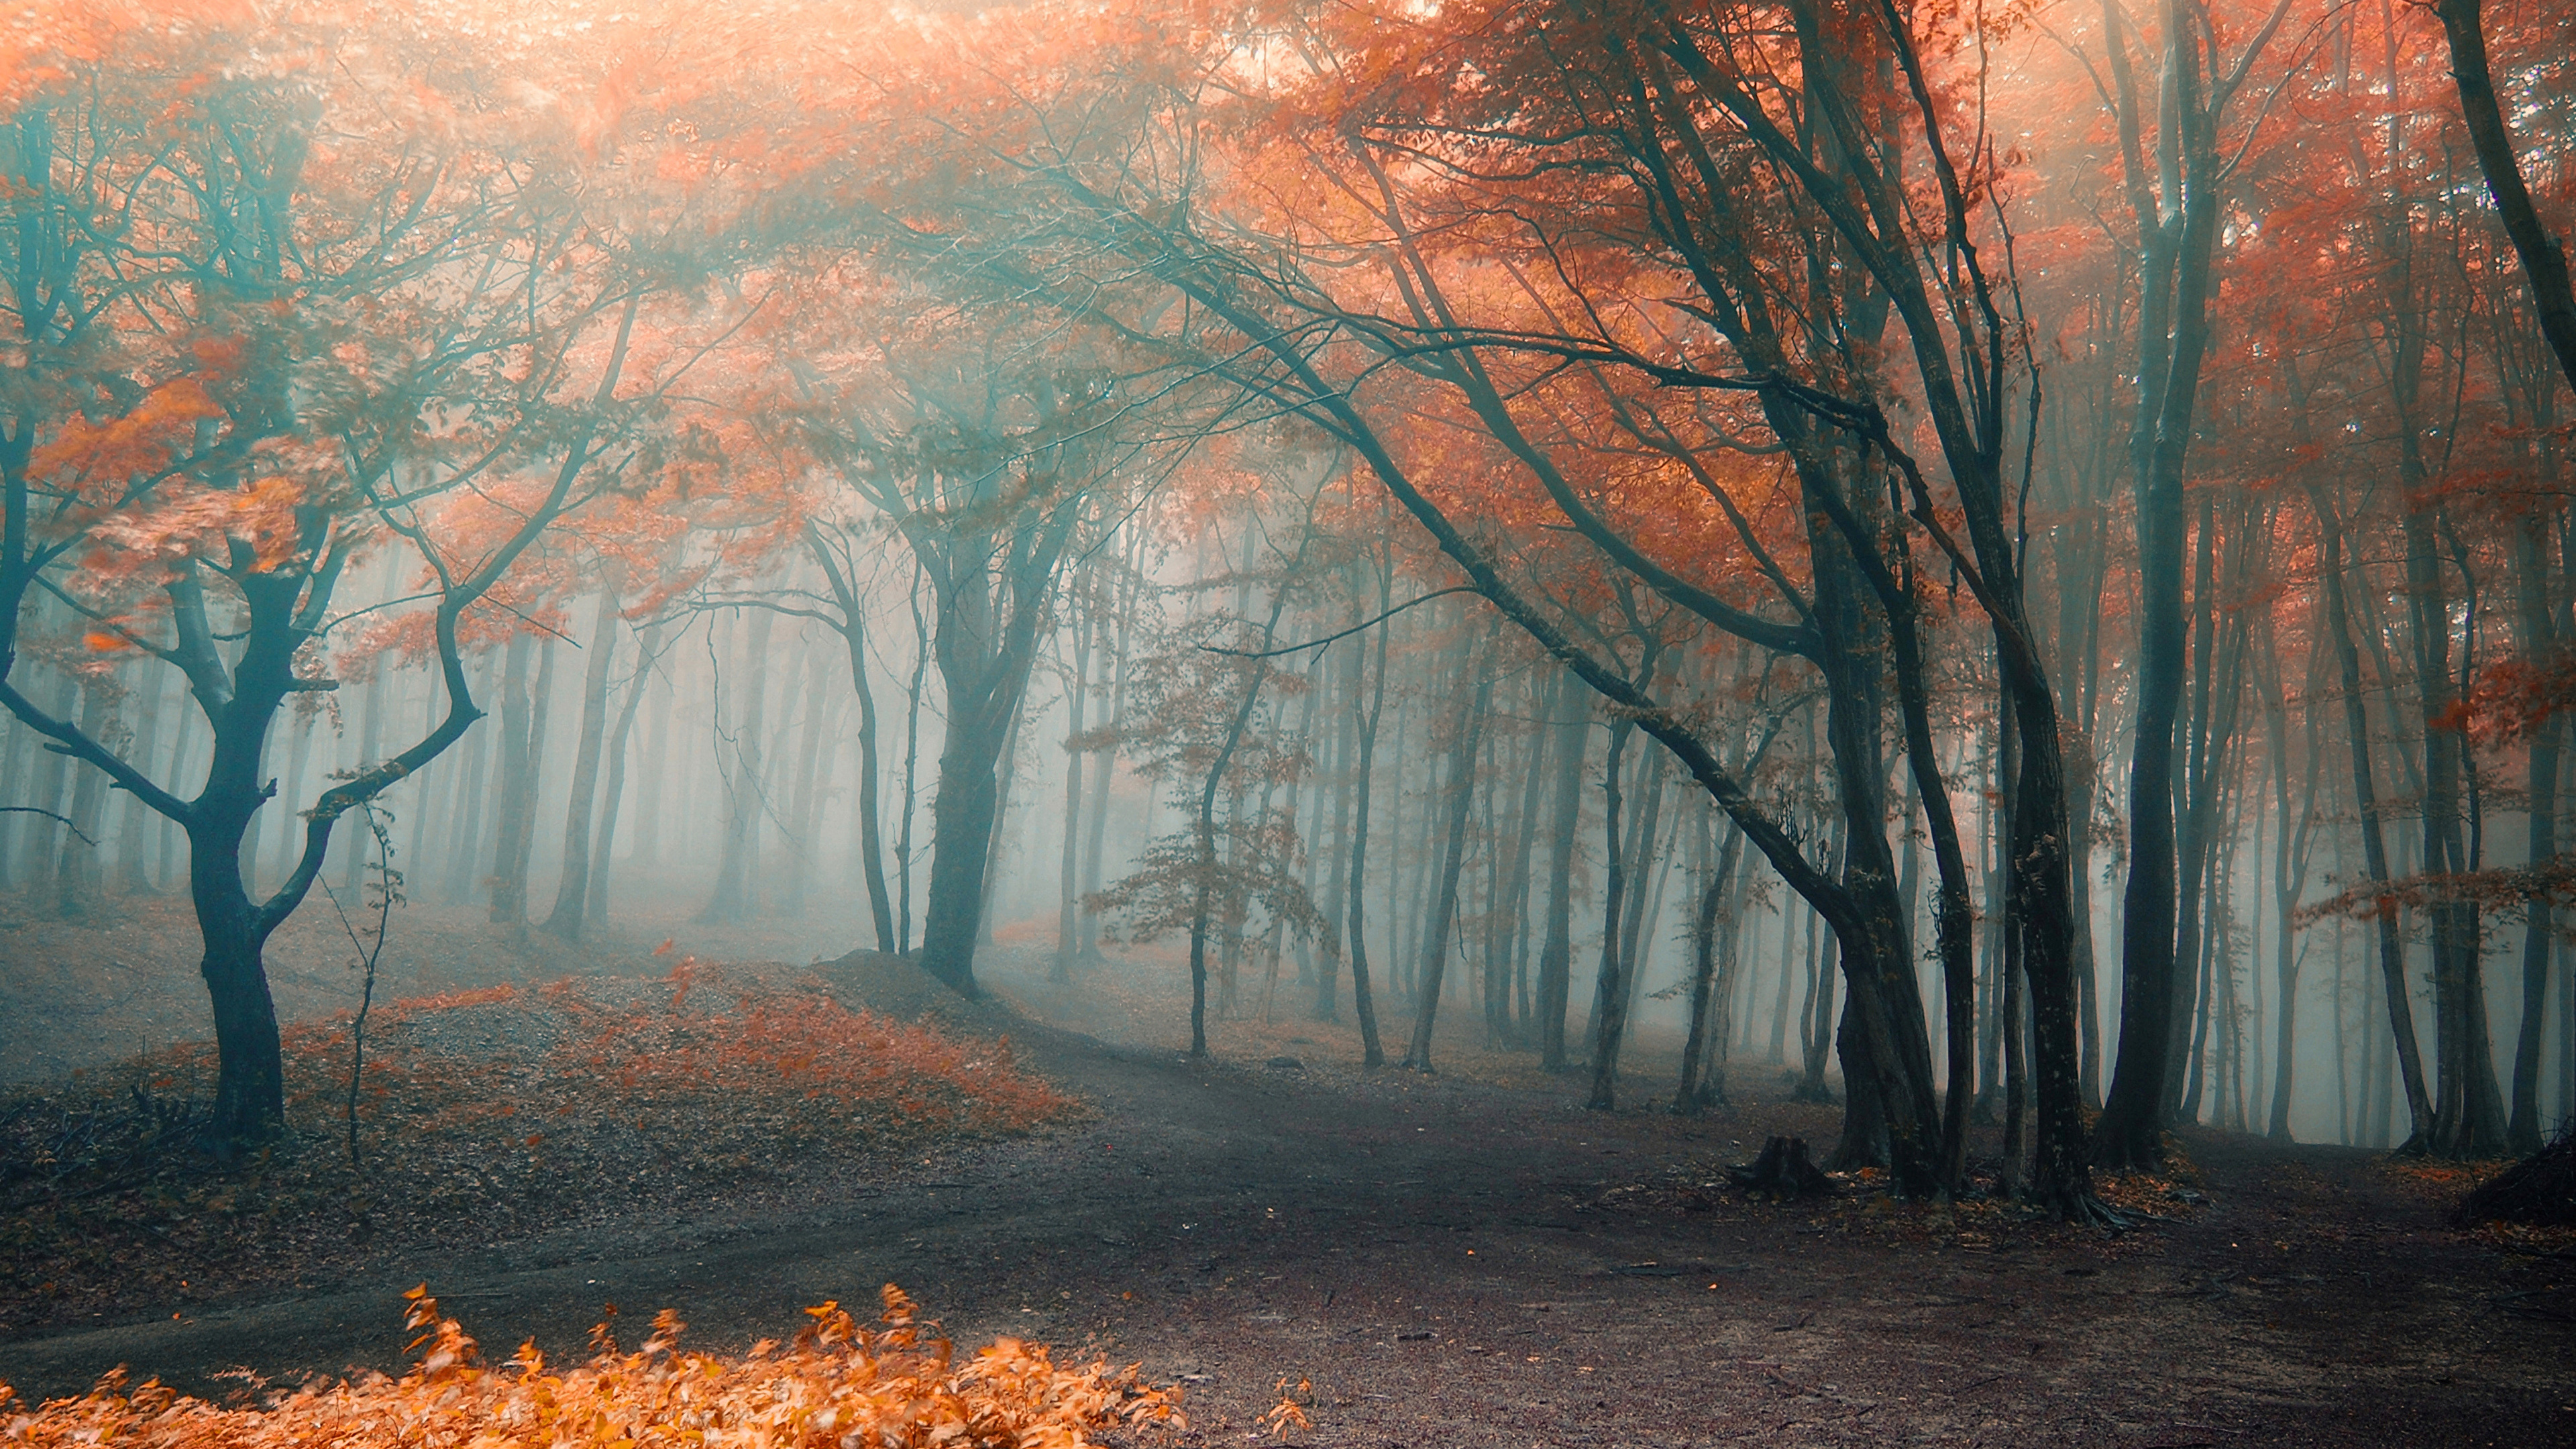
138, 821
2173, 340
962, 817
77, 869
1068, 918
1339, 887
603, 846
1006, 773
518, 769
1094, 865
2544, 258
1703, 1076
805, 819
1453, 860
746, 793
2539, 643
2374, 846
1605, 990
1363, 996
572, 890
903, 853
1556, 955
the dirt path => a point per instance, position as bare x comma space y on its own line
1454, 1263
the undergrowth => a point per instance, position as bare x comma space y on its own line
835, 1384
485, 1116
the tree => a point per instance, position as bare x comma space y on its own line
244, 361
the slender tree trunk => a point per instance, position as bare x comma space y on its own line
78, 872
1510, 906
604, 845
1556, 955
1453, 860
1094, 866
911, 769
805, 806
572, 891
870, 810
1718, 943
1204, 823
2016, 1049
1006, 773
1337, 891
1068, 921
1363, 999
2539, 642
518, 770
2392, 953
1605, 992
746, 791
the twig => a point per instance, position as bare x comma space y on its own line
50, 815
388, 888
1344, 634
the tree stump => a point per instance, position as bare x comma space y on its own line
1783, 1171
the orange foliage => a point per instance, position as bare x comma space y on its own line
836, 1384
809, 1045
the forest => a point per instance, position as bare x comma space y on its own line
1948, 626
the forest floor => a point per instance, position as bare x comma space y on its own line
1455, 1259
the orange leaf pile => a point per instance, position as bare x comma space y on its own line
837, 1384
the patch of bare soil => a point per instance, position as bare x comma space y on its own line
1468, 1259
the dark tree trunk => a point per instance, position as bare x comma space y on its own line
2539, 642
1006, 773
1556, 953
523, 713
2177, 242
1363, 996
962, 817
1703, 1075
1453, 860
2374, 845
2544, 257
604, 845
1605, 991
2295, 834
1507, 935
572, 890
870, 812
